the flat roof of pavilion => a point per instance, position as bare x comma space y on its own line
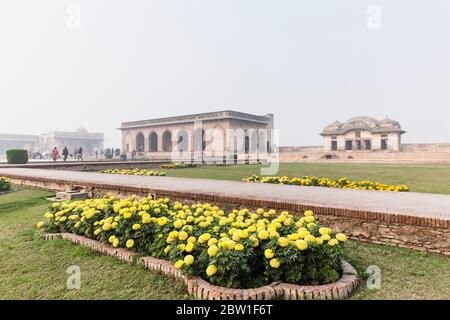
207, 116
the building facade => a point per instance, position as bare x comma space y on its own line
18, 141
216, 134
91, 142
363, 134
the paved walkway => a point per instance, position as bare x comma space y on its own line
408, 203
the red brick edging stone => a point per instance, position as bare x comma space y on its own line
202, 289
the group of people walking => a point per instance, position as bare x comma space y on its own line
65, 154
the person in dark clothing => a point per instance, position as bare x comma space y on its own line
80, 154
65, 153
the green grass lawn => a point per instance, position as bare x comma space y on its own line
31, 268
420, 178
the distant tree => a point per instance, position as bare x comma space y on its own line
117, 152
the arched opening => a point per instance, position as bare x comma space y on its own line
182, 140
199, 140
247, 144
140, 142
167, 141
153, 142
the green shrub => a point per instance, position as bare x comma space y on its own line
17, 156
5, 184
109, 154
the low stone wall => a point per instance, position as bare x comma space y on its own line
366, 157
202, 289
89, 165
418, 233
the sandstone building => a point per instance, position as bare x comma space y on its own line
91, 142
18, 141
219, 134
363, 134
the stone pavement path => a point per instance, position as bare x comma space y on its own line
408, 203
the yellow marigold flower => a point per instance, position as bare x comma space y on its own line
274, 263
319, 240
263, 235
236, 236
230, 244
116, 243
212, 241
239, 247
157, 210
106, 226
146, 219
162, 221
341, 237
178, 224
324, 230
167, 249
179, 264
260, 211
130, 243
269, 254
274, 234
111, 239
326, 237
97, 231
181, 247
283, 242
294, 236
63, 218
127, 215
333, 242
40, 224
136, 226
302, 232
211, 270
173, 234
191, 240
204, 238
310, 238
78, 224
308, 213
183, 235
189, 247
309, 219
189, 259
213, 250
301, 244
243, 234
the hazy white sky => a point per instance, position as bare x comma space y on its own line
308, 62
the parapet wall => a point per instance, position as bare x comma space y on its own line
419, 233
410, 153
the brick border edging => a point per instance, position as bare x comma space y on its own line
201, 289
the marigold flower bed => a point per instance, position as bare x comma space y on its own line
5, 184
135, 172
181, 165
232, 249
342, 183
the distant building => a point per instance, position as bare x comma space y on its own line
18, 141
363, 134
158, 138
73, 140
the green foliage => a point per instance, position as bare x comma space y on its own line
5, 184
17, 156
109, 154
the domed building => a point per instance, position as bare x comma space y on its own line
363, 134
